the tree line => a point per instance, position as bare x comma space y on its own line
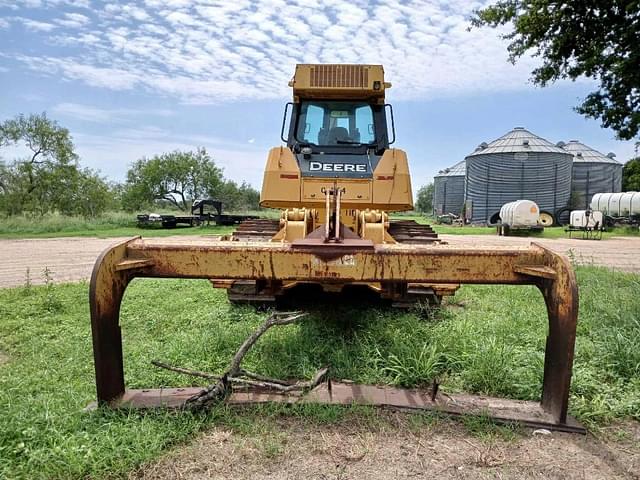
49, 178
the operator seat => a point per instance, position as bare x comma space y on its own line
338, 133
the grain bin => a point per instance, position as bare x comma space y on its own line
448, 190
515, 166
592, 172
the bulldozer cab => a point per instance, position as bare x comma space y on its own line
338, 120
344, 125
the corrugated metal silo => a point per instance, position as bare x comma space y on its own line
448, 190
593, 173
516, 166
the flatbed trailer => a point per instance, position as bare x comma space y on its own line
206, 210
168, 221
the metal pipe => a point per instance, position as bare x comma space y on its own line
327, 222
338, 194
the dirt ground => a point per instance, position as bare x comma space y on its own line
71, 259
68, 259
444, 450
620, 253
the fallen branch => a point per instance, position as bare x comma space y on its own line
186, 371
253, 380
222, 387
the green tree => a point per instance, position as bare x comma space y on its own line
236, 197
44, 180
49, 144
49, 178
176, 177
590, 38
631, 176
424, 202
93, 194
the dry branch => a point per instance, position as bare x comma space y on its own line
222, 387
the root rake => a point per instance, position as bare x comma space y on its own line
438, 264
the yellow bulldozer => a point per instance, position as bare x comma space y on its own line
336, 179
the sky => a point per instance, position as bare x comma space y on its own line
135, 79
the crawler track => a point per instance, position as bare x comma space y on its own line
260, 229
410, 231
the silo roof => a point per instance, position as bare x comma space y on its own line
583, 153
518, 140
459, 169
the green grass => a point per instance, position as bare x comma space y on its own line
491, 341
112, 224
120, 224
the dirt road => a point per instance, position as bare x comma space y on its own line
71, 259
619, 253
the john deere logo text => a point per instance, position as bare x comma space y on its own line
337, 167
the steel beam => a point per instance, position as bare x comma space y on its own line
446, 264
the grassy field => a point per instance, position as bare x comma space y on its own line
113, 224
489, 339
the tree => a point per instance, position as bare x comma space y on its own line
236, 198
424, 203
177, 178
49, 178
93, 194
590, 38
45, 179
631, 176
50, 145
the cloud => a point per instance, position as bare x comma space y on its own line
73, 20
35, 25
94, 75
114, 153
202, 51
90, 113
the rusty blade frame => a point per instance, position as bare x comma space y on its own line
446, 264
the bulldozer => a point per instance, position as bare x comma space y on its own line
336, 179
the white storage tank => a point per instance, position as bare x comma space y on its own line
582, 219
520, 214
616, 205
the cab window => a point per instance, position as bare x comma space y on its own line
335, 123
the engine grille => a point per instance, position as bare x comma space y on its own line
350, 76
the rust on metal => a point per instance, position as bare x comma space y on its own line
347, 393
536, 271
435, 264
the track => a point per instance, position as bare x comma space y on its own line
410, 231
261, 229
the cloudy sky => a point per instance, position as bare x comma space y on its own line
132, 79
